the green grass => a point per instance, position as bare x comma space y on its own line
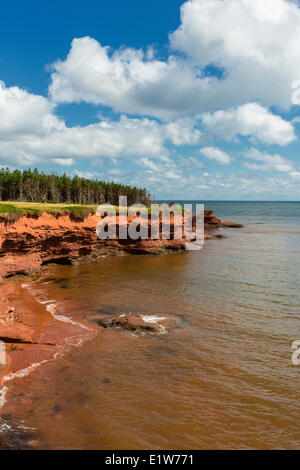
14, 210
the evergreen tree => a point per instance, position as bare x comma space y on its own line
35, 186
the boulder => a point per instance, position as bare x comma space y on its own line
141, 324
210, 219
231, 225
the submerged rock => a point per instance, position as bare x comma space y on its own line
16, 437
143, 324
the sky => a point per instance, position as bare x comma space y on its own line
193, 99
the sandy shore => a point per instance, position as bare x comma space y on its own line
32, 333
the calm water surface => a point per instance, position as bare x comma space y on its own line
224, 380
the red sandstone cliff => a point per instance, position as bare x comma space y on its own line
32, 241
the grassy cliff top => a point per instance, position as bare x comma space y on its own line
16, 209
13, 210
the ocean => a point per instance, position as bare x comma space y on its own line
223, 380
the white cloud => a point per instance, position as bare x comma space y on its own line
295, 175
256, 42
183, 132
191, 162
216, 154
269, 162
150, 164
22, 113
123, 138
63, 161
251, 120
237, 185
127, 80
30, 133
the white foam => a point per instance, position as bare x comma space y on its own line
75, 341
4, 427
52, 309
24, 372
3, 392
14, 375
194, 246
152, 319
156, 321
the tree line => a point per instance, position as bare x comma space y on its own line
34, 186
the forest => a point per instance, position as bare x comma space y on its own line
34, 186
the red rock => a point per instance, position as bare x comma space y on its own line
141, 323
16, 333
28, 243
231, 225
210, 219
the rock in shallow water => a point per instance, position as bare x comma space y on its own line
140, 323
231, 225
16, 437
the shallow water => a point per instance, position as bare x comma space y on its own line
225, 379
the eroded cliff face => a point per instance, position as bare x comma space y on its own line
34, 241
31, 242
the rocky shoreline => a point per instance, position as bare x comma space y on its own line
33, 241
31, 332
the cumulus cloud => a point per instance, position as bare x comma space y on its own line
22, 113
251, 120
216, 154
267, 161
30, 133
183, 132
126, 137
255, 44
126, 80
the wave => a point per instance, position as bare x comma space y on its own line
3, 392
72, 341
52, 308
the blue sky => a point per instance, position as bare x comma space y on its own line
192, 99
